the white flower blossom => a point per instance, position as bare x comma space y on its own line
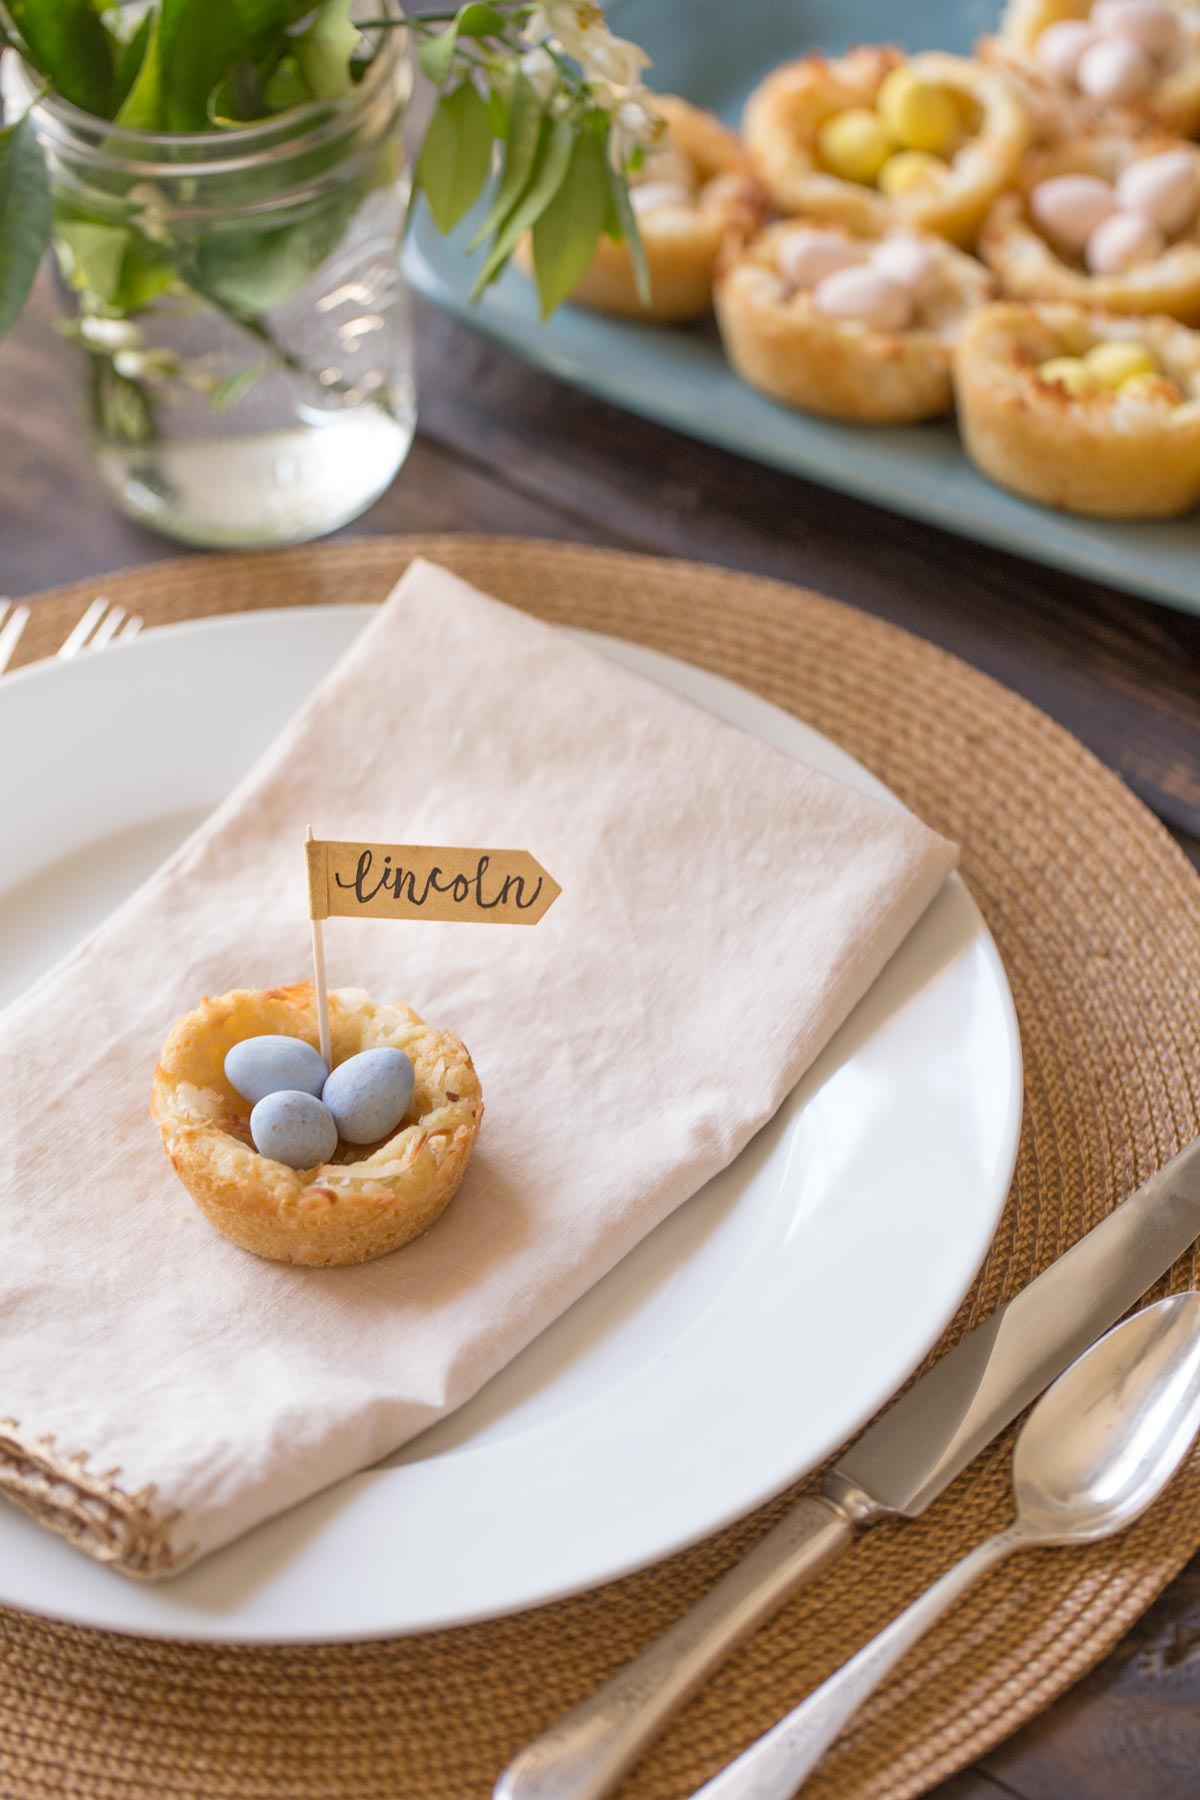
633, 127
580, 29
136, 365
109, 334
539, 69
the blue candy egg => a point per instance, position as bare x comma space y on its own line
259, 1066
368, 1094
293, 1127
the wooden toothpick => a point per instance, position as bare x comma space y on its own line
318, 946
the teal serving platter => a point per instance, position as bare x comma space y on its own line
714, 51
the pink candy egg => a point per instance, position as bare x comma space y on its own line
649, 196
867, 295
1151, 24
1060, 47
1121, 242
807, 257
907, 261
1165, 187
1069, 207
1114, 69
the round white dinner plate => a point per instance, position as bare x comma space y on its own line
749, 1335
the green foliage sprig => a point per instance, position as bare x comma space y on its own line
544, 95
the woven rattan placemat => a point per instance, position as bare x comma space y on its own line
1097, 915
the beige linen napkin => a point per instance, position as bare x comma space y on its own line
723, 908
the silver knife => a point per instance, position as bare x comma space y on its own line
897, 1467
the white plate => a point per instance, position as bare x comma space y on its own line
735, 1348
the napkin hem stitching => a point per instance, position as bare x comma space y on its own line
90, 1510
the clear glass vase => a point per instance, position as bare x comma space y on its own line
239, 305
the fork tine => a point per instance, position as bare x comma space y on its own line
107, 629
131, 627
12, 620
76, 639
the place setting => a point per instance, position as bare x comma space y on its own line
596, 1145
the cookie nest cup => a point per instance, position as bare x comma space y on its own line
779, 341
369, 1199
1116, 455
785, 113
1172, 101
1029, 266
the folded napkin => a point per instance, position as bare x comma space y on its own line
722, 909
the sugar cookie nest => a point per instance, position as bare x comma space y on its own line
1172, 103
1113, 454
786, 111
681, 242
781, 343
367, 1201
1029, 267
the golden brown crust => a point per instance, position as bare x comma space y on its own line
342, 1211
1172, 104
1029, 267
778, 340
786, 111
1108, 454
681, 242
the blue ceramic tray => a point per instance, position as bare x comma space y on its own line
714, 51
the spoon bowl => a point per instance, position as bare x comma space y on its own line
1097, 1449
1103, 1442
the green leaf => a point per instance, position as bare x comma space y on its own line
92, 256
130, 57
550, 167
524, 136
285, 87
499, 111
435, 54
227, 393
456, 155
143, 107
566, 233
112, 265
323, 52
67, 43
629, 233
200, 41
24, 216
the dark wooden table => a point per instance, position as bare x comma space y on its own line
501, 448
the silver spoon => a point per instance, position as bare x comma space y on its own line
1097, 1449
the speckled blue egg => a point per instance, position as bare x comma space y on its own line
293, 1127
259, 1066
368, 1094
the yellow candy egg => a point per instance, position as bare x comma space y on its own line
910, 171
1113, 364
918, 115
854, 144
1069, 372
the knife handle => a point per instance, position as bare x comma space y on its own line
584, 1755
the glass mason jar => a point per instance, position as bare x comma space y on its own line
239, 304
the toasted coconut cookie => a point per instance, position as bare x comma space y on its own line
691, 190
1085, 224
1087, 412
366, 1201
852, 327
1115, 63
877, 139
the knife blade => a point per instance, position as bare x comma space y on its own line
897, 1468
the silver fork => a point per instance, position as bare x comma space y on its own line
12, 624
101, 624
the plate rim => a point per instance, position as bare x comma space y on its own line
277, 618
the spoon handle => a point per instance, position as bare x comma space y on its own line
777, 1765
